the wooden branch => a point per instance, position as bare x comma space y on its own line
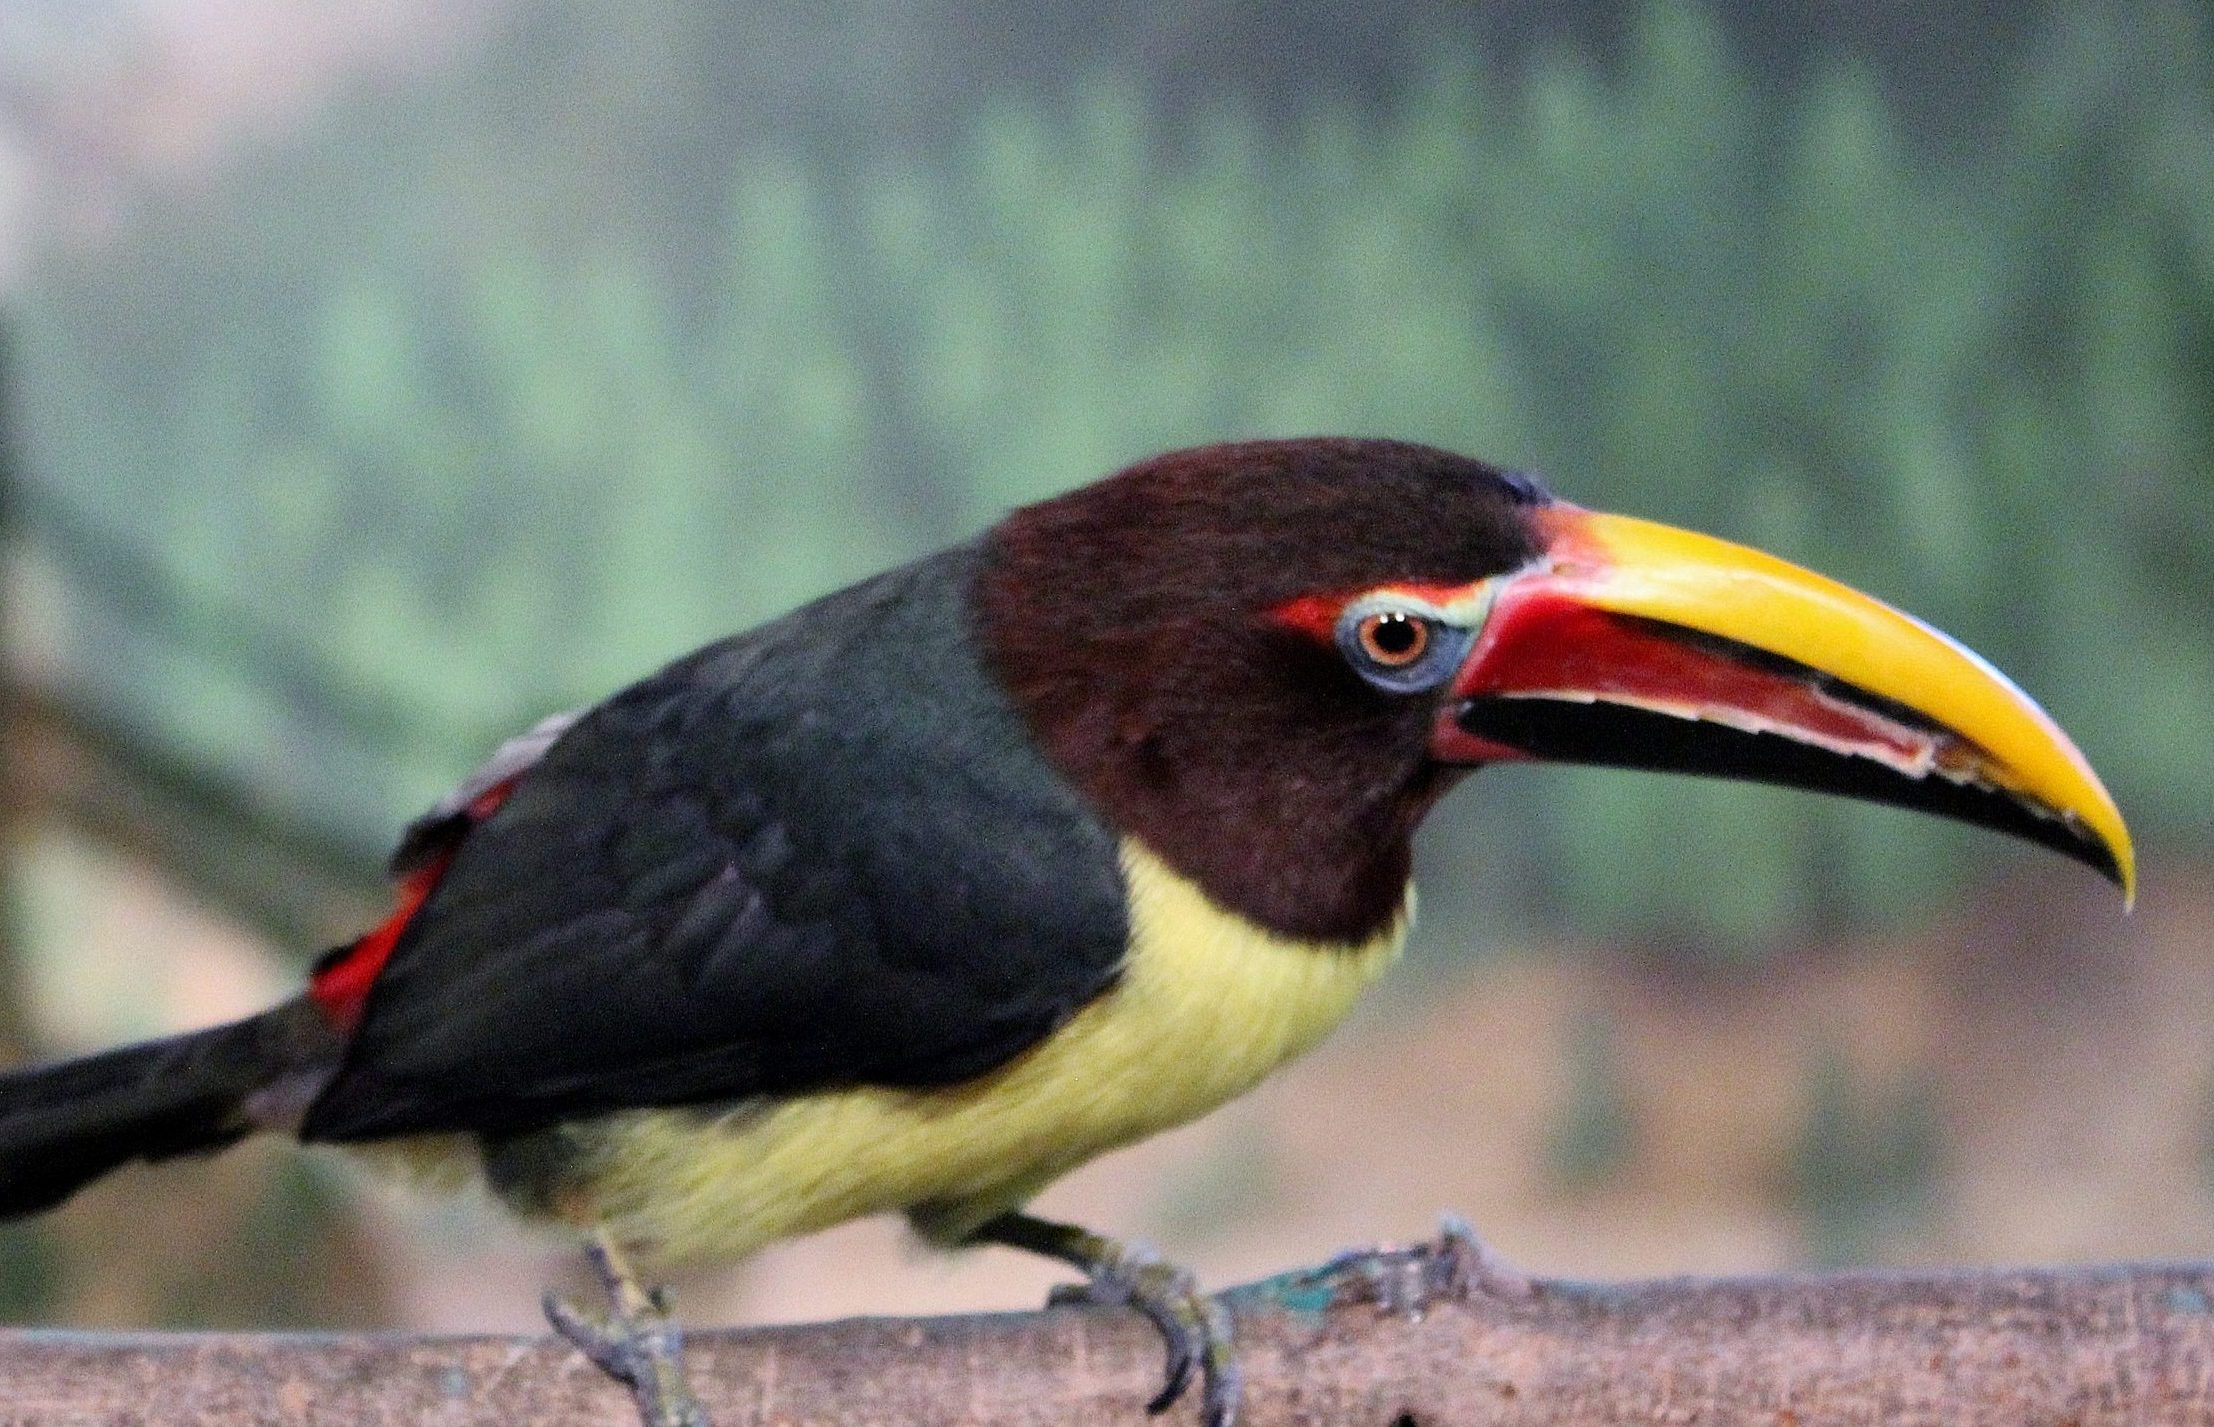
2083, 1347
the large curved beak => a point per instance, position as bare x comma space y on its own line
1637, 645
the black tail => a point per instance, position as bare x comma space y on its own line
63, 1126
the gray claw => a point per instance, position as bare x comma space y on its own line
1195, 1330
1409, 1280
1461, 1264
636, 1344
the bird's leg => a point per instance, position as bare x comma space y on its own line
1194, 1327
638, 1344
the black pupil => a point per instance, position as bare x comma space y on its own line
1395, 635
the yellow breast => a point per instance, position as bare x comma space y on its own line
1206, 1006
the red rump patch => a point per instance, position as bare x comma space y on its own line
341, 988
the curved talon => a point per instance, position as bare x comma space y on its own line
1195, 1329
1222, 1385
1195, 1333
1179, 1377
1181, 1355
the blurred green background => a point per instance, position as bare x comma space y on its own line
376, 386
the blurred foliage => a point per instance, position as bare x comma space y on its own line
370, 452
30, 1271
283, 1255
1868, 1164
1595, 1137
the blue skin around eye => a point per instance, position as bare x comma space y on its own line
1448, 643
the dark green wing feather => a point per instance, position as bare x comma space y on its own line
823, 853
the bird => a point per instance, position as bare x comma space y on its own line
914, 899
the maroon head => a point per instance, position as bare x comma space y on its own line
1266, 661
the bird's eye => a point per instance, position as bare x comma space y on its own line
1398, 649
1393, 638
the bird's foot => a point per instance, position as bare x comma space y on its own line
1462, 1265
1452, 1268
638, 1344
1194, 1328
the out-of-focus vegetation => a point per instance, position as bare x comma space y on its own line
347, 465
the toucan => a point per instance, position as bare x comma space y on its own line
918, 897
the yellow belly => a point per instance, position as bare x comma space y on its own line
1206, 1006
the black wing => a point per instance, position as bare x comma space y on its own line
824, 853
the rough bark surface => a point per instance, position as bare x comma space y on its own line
1345, 1346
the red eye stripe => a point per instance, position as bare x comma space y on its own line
1316, 616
